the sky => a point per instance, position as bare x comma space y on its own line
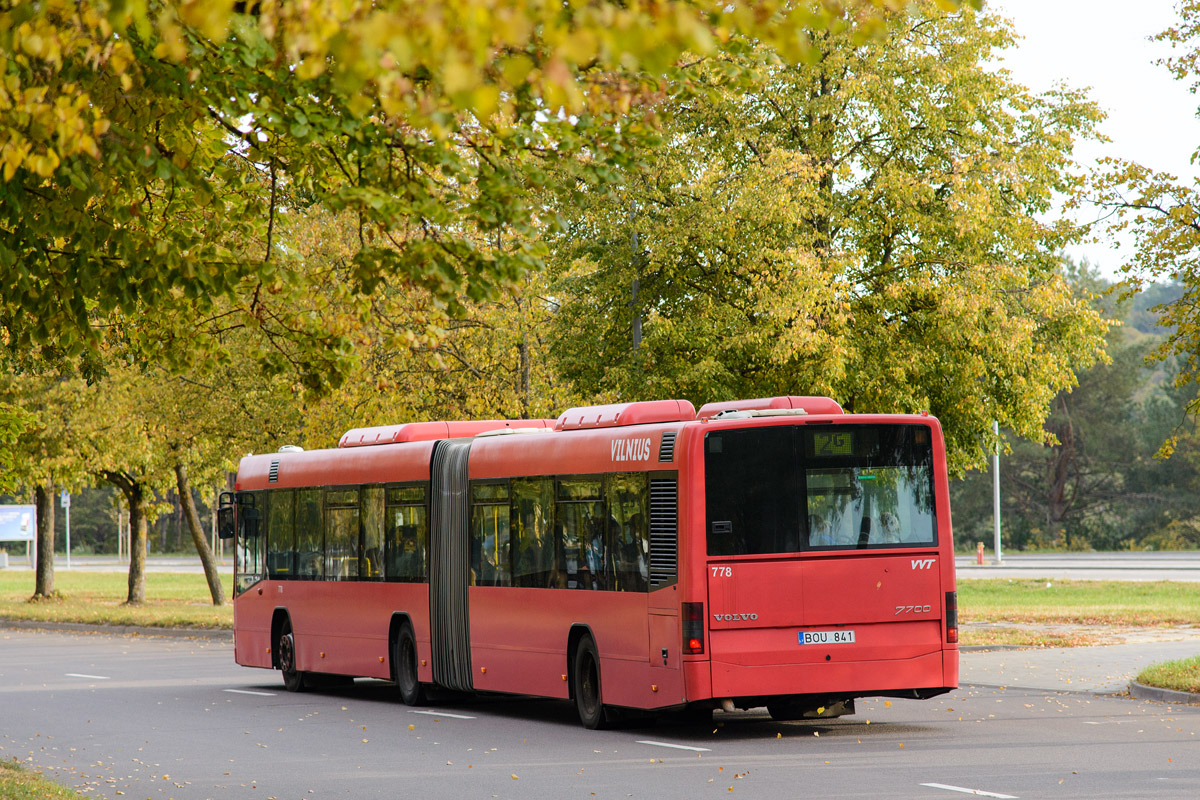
1103, 45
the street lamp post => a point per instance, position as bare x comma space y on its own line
65, 499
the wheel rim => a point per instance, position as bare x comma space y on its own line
287, 653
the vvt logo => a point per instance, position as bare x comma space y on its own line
922, 563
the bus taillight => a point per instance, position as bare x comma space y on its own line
693, 628
952, 617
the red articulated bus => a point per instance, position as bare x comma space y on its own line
642, 556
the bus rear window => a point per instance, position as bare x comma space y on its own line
788, 489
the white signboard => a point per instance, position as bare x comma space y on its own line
17, 523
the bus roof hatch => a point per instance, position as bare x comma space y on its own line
811, 405
617, 415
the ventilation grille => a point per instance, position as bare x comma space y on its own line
273, 475
666, 448
664, 532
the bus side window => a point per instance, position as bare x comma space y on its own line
309, 535
490, 541
371, 560
580, 513
341, 534
628, 497
533, 542
406, 534
281, 543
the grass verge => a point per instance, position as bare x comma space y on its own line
1126, 603
173, 600
18, 783
1021, 637
1181, 676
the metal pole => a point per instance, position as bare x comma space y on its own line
68, 510
996, 489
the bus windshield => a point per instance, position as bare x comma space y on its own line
828, 487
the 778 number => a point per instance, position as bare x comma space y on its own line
722, 572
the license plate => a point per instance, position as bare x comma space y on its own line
826, 637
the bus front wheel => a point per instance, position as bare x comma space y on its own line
404, 656
588, 698
293, 679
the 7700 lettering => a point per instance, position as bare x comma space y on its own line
912, 610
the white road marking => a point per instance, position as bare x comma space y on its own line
442, 714
92, 677
675, 746
247, 691
976, 792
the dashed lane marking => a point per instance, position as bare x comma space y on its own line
90, 677
674, 746
247, 691
441, 714
964, 790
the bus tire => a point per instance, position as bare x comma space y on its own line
588, 697
404, 657
293, 679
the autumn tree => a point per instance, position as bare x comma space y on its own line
1160, 213
149, 150
418, 359
868, 224
13, 422
42, 454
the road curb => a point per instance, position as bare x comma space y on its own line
119, 630
1143, 692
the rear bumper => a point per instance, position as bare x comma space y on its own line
938, 670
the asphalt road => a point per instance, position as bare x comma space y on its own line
1168, 566
158, 718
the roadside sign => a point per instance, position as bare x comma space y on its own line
65, 499
17, 523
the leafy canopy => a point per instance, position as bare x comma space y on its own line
867, 224
149, 149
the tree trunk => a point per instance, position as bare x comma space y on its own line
193, 522
44, 582
139, 530
135, 496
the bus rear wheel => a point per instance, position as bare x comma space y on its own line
293, 679
588, 698
404, 656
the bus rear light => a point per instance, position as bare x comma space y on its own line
693, 628
952, 617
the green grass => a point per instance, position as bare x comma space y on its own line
1129, 603
1182, 676
18, 783
172, 600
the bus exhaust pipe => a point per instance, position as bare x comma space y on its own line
727, 704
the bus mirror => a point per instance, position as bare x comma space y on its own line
225, 522
225, 512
